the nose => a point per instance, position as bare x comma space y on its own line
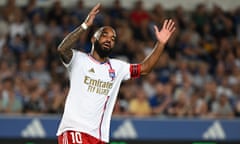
108, 39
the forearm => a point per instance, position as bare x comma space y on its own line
149, 62
162, 36
65, 46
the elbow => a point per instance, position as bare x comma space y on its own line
59, 50
145, 70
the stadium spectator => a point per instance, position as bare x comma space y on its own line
160, 101
200, 17
10, 11
55, 98
56, 13
149, 83
9, 102
40, 74
182, 17
4, 29
38, 26
139, 105
202, 75
126, 93
221, 108
37, 47
139, 19
179, 106
197, 106
236, 104
117, 11
80, 11
34, 103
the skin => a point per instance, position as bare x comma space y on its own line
106, 37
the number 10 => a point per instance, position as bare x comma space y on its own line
76, 137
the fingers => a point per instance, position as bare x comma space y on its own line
90, 18
173, 29
95, 9
165, 24
169, 25
172, 26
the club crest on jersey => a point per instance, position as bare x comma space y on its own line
112, 73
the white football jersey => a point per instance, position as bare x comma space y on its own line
93, 91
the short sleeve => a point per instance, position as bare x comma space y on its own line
131, 71
126, 70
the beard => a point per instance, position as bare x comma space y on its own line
102, 52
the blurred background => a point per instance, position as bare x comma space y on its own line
191, 96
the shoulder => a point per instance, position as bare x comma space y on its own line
119, 65
77, 56
80, 53
118, 61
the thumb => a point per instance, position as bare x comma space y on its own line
155, 28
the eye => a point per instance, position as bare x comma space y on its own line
113, 39
104, 34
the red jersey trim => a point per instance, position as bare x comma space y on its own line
100, 125
135, 70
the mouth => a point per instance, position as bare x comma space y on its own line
107, 45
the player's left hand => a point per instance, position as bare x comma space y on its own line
165, 33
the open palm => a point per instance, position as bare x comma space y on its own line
92, 14
165, 33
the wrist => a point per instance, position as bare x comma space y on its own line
84, 26
161, 44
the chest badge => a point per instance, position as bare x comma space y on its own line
112, 74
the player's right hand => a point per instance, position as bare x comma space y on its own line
92, 14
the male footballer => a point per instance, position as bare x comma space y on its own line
95, 80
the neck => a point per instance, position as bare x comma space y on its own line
96, 56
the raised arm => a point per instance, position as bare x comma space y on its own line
65, 46
162, 36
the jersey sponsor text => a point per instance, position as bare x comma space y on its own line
97, 86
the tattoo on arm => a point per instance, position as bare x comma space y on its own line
65, 47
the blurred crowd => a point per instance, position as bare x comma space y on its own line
198, 75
